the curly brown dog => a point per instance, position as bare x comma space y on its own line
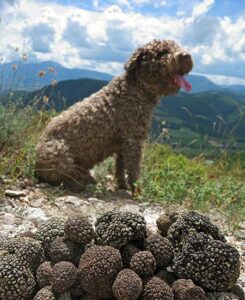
115, 120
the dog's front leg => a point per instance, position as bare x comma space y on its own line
132, 154
120, 172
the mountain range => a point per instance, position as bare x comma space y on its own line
31, 76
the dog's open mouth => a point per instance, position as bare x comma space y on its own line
182, 82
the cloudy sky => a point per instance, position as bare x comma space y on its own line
101, 34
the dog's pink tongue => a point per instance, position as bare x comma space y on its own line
183, 83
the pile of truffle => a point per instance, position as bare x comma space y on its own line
119, 258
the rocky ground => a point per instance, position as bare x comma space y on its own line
23, 206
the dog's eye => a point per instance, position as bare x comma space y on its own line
162, 53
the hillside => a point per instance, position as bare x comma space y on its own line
65, 93
209, 116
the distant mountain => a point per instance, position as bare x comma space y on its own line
65, 93
31, 76
202, 84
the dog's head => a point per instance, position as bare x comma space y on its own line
160, 66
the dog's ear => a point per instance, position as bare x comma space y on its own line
134, 62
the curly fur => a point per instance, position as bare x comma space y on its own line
115, 120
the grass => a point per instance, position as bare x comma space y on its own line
170, 177
167, 175
19, 132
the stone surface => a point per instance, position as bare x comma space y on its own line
14, 193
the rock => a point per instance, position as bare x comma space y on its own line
8, 219
73, 200
37, 202
36, 215
131, 207
13, 193
95, 200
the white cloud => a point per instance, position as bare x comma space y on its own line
224, 80
202, 8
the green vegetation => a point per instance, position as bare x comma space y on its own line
19, 131
170, 177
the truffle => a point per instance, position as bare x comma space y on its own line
143, 263
127, 286
189, 222
44, 273
29, 252
16, 280
185, 289
156, 289
49, 231
166, 220
61, 250
63, 276
211, 264
78, 229
98, 268
117, 229
161, 249
45, 294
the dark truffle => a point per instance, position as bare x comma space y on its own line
211, 264
44, 273
161, 249
166, 220
156, 289
127, 286
49, 231
117, 229
29, 252
64, 276
61, 250
189, 222
98, 268
143, 263
45, 294
16, 280
78, 229
185, 289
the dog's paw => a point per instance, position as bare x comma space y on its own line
136, 190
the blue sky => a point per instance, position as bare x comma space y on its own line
101, 35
